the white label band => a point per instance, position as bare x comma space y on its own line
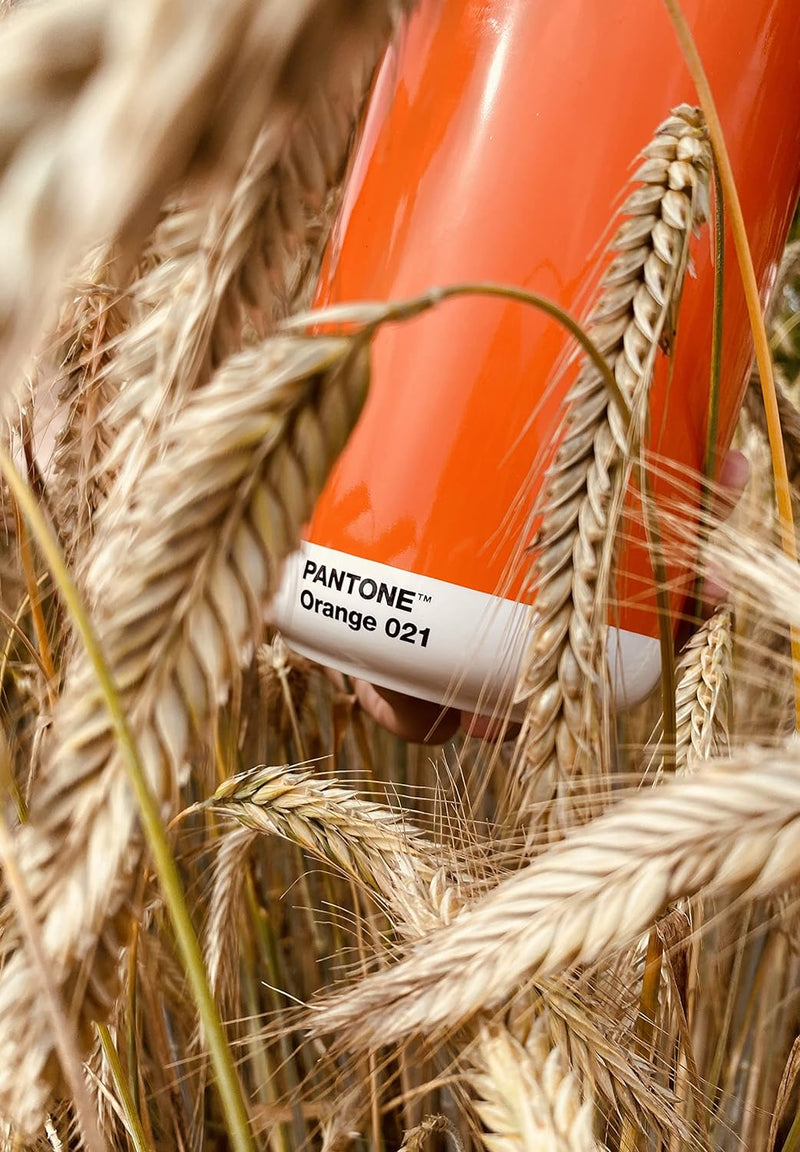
425, 637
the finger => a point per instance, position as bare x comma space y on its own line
417, 721
495, 728
733, 476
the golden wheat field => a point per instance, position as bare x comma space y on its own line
236, 912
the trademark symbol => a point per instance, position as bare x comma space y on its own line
424, 597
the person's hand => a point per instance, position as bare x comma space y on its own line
421, 722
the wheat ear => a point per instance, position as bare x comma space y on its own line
371, 843
527, 1096
637, 292
587, 1029
167, 92
703, 693
91, 321
729, 828
790, 421
180, 587
224, 909
382, 849
214, 274
210, 268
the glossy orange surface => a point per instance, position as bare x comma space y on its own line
499, 137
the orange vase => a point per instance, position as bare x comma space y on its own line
497, 140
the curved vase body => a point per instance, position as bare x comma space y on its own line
498, 139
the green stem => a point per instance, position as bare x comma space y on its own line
712, 426
665, 637
712, 430
227, 1081
135, 1130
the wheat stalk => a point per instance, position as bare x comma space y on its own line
727, 829
180, 584
528, 1097
637, 293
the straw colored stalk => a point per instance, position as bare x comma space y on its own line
725, 830
180, 588
375, 845
157, 93
527, 1095
639, 289
703, 693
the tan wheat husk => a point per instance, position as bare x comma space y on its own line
158, 93
215, 274
73, 375
224, 910
703, 693
726, 829
560, 748
375, 845
527, 1096
416, 1139
212, 270
180, 587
